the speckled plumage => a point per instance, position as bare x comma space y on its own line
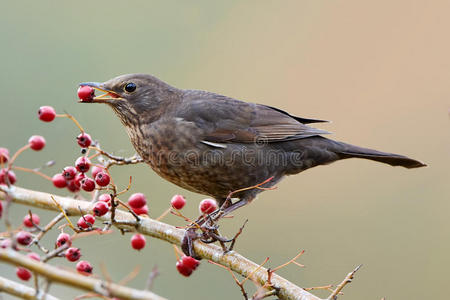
212, 144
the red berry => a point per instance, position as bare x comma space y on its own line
46, 113
102, 179
137, 200
100, 208
178, 202
105, 198
86, 93
6, 243
23, 273
207, 206
29, 222
83, 164
36, 142
138, 241
4, 155
62, 239
73, 186
183, 269
140, 210
1, 209
84, 267
73, 254
88, 184
24, 238
11, 176
34, 256
95, 170
78, 178
69, 172
59, 181
190, 262
84, 140
83, 222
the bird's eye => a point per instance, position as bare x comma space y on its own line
130, 87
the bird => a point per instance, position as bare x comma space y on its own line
213, 144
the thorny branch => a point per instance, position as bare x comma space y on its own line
147, 226
341, 285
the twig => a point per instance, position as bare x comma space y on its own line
20, 290
236, 236
31, 171
47, 227
55, 252
151, 278
341, 285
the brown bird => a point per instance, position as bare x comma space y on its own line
213, 145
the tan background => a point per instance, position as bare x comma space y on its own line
379, 70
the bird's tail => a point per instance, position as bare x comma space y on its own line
344, 150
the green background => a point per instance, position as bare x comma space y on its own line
379, 70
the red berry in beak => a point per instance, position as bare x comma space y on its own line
86, 93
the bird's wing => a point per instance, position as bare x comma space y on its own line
228, 120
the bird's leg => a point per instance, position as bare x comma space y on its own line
226, 210
209, 228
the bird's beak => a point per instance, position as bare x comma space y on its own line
107, 97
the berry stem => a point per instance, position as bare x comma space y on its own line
177, 251
73, 120
64, 213
32, 171
17, 154
163, 214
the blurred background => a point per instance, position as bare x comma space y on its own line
379, 70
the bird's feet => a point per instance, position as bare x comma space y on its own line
206, 229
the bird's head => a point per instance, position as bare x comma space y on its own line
135, 96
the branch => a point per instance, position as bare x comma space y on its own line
72, 279
20, 290
344, 282
236, 262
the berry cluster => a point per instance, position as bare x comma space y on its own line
138, 204
26, 238
186, 265
86, 176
